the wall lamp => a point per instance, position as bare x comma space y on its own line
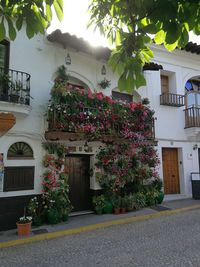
103, 70
68, 60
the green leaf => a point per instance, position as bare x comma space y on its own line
58, 6
184, 38
144, 21
122, 82
151, 28
140, 80
19, 23
173, 32
29, 29
2, 30
118, 38
159, 37
48, 12
196, 29
11, 29
171, 47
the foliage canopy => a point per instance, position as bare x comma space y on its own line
129, 24
35, 14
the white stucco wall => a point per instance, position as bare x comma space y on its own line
40, 58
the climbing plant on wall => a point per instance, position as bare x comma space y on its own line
128, 169
53, 205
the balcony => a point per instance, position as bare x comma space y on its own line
68, 122
14, 91
192, 117
173, 100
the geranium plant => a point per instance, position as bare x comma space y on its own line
53, 205
96, 115
104, 83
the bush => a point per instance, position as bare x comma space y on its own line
99, 203
140, 199
151, 197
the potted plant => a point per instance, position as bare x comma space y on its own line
116, 201
99, 203
5, 85
123, 205
24, 225
131, 202
108, 207
104, 83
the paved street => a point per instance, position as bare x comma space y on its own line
165, 241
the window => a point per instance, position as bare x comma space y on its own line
192, 89
122, 97
19, 178
4, 54
164, 84
20, 150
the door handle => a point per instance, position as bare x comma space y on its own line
173, 175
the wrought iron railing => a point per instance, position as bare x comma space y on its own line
14, 86
173, 100
64, 118
192, 117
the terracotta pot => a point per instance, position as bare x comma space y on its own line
116, 211
24, 229
123, 210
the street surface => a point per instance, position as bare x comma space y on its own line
165, 241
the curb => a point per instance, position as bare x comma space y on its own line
92, 227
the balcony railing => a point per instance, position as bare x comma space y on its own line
14, 86
63, 122
173, 100
192, 117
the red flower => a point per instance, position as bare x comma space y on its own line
140, 105
132, 106
99, 96
109, 100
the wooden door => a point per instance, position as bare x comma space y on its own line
170, 170
79, 181
164, 84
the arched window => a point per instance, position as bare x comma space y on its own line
20, 177
20, 150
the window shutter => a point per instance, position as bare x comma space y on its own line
19, 178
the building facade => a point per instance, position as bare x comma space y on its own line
29, 66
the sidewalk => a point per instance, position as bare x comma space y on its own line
82, 223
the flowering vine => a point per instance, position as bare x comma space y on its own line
95, 114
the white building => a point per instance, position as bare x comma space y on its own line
33, 64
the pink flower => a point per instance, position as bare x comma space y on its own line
132, 106
90, 95
109, 100
99, 96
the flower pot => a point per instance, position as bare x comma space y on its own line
123, 210
160, 198
108, 208
23, 229
116, 211
98, 210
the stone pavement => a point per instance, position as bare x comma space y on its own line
81, 223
